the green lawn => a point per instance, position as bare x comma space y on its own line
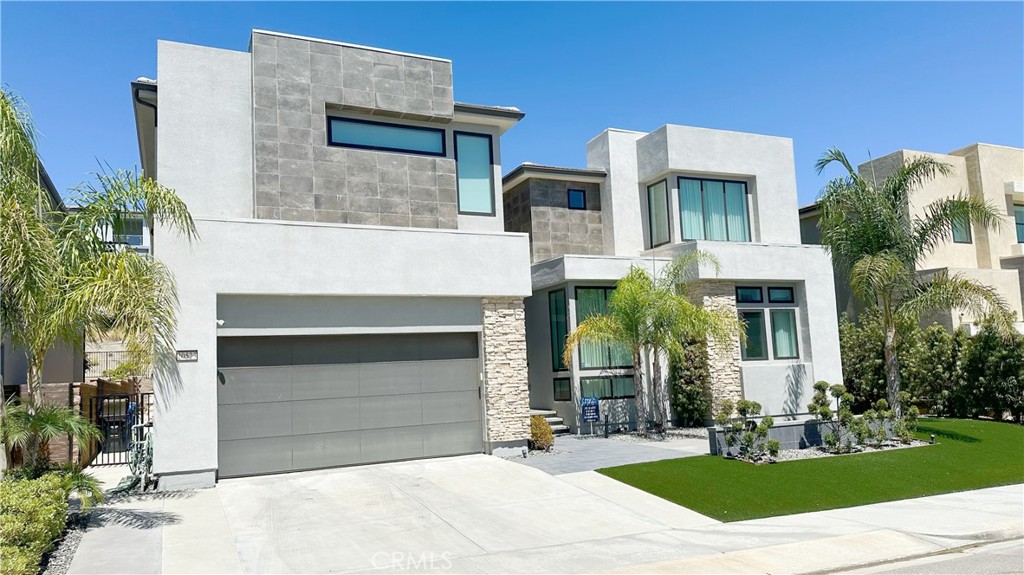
968, 455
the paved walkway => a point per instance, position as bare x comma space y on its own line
481, 514
573, 454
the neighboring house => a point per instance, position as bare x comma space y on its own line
353, 296
643, 199
64, 363
994, 174
134, 233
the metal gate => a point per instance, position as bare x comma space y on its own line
115, 414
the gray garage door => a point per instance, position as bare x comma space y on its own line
291, 403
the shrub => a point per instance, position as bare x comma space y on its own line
541, 435
994, 368
690, 378
834, 425
751, 436
33, 513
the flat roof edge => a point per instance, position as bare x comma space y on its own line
348, 45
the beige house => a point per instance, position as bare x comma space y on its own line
993, 257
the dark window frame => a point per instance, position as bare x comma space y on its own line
764, 334
792, 294
568, 198
490, 153
703, 206
760, 292
668, 215
966, 228
770, 324
576, 299
556, 358
1018, 224
331, 142
611, 385
554, 388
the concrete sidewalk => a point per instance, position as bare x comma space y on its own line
482, 514
574, 453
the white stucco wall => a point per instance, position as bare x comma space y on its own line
614, 151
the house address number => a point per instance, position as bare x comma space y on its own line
187, 355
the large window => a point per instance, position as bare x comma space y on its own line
607, 387
559, 327
713, 210
1018, 216
962, 231
593, 301
657, 213
771, 323
473, 161
369, 135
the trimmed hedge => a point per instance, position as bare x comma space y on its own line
33, 513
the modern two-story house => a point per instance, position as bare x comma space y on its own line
353, 296
994, 174
643, 199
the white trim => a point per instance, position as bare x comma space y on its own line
277, 331
347, 45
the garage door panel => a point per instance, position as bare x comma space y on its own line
253, 420
450, 375
389, 348
391, 444
325, 415
326, 450
325, 381
254, 385
252, 352
389, 378
390, 411
452, 438
451, 407
254, 456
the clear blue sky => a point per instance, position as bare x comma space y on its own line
865, 77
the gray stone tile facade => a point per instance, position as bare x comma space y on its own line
540, 207
297, 83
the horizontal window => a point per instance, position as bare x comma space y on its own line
563, 389
473, 161
780, 295
607, 387
713, 210
577, 199
749, 295
369, 135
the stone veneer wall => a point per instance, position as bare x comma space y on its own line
505, 372
296, 83
723, 359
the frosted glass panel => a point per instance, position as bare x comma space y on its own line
377, 136
657, 211
784, 333
473, 166
691, 219
714, 211
736, 208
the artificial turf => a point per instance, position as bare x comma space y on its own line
968, 454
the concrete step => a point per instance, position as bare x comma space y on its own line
560, 429
544, 412
553, 420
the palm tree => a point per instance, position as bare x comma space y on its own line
31, 427
877, 245
60, 277
652, 316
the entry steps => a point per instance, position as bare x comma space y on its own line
551, 416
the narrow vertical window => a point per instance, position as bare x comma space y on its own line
691, 206
473, 161
559, 327
961, 231
755, 346
657, 213
1018, 216
736, 211
714, 211
784, 334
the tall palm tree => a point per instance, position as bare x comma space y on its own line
877, 245
59, 276
653, 316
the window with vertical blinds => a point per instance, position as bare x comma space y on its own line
713, 210
594, 301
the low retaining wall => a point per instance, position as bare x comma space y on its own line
795, 434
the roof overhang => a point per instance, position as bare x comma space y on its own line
144, 103
524, 172
501, 117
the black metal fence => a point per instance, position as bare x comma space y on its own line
115, 414
100, 362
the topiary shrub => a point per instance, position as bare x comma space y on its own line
541, 436
33, 513
690, 378
751, 436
